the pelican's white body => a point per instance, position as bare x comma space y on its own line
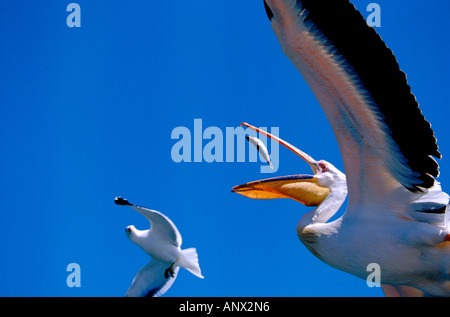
409, 251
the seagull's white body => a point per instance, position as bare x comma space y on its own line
158, 247
397, 214
163, 243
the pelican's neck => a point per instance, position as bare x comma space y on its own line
313, 229
325, 210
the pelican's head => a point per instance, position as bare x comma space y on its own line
310, 190
328, 175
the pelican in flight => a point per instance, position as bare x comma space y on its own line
397, 214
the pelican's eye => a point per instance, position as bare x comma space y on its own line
323, 167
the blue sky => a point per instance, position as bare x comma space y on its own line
86, 114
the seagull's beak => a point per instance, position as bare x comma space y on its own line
302, 188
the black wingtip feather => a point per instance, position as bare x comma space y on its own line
381, 75
122, 202
268, 11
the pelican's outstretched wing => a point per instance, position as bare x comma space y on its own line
384, 139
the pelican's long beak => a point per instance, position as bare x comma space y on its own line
302, 188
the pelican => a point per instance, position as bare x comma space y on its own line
397, 214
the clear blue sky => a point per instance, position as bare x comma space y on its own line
86, 114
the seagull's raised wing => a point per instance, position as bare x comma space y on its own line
384, 139
150, 281
159, 224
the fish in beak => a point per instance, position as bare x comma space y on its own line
302, 188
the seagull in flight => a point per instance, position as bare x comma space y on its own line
163, 243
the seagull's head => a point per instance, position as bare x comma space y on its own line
130, 230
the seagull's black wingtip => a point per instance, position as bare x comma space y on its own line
121, 201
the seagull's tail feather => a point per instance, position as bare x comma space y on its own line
189, 261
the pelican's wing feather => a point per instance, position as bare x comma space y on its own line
384, 139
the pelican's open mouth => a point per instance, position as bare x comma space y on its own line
303, 188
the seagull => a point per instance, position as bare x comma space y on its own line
163, 243
397, 214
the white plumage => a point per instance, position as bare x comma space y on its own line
163, 243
